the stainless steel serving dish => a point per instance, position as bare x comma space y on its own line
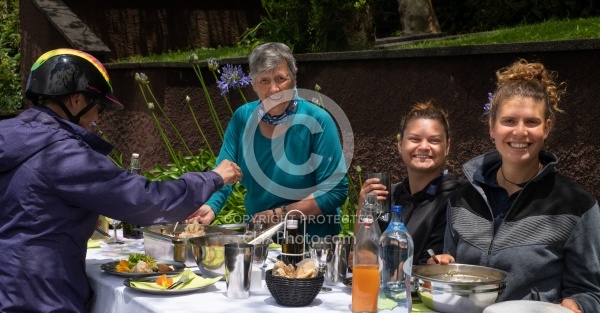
458, 288
209, 252
160, 243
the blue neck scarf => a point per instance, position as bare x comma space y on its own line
283, 118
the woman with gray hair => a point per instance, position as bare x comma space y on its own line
288, 148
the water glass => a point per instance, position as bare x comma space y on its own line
384, 179
256, 228
115, 240
321, 249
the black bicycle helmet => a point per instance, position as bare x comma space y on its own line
66, 71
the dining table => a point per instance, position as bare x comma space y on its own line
112, 295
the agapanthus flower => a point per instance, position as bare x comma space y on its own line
151, 105
232, 77
193, 58
486, 107
213, 65
141, 78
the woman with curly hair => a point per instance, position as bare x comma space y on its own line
518, 213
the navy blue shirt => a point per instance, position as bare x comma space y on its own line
498, 197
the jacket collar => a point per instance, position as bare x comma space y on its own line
95, 142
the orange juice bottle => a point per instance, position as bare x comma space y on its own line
365, 288
365, 271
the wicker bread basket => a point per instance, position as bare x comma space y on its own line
293, 291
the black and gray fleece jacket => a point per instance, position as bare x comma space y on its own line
548, 242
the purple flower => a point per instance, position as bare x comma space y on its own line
212, 64
232, 77
486, 107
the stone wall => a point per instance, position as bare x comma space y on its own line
374, 89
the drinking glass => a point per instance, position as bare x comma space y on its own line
255, 229
321, 249
384, 179
114, 224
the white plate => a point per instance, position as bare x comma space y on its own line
525, 306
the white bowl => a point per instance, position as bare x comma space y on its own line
525, 306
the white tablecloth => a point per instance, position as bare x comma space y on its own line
111, 296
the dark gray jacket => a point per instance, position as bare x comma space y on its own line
547, 242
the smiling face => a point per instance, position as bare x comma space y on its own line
520, 130
269, 86
424, 146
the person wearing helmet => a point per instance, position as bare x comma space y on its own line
55, 181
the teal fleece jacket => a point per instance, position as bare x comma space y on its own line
307, 160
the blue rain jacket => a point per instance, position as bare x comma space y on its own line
55, 181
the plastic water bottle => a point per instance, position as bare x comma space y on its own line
396, 257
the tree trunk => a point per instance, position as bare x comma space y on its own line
417, 17
358, 26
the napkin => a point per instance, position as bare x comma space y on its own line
420, 307
195, 283
274, 246
388, 304
91, 244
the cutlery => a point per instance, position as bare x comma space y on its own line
174, 228
184, 279
432, 254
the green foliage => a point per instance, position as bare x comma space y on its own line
10, 80
546, 31
234, 209
305, 26
458, 16
202, 53
203, 161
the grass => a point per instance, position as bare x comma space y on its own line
546, 31
183, 56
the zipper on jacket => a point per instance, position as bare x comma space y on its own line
489, 252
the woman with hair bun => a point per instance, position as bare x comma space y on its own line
519, 214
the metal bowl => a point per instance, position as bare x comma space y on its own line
458, 288
209, 252
160, 243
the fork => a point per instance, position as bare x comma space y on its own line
184, 279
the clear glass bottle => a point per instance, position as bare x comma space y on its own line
396, 250
292, 248
129, 228
365, 269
